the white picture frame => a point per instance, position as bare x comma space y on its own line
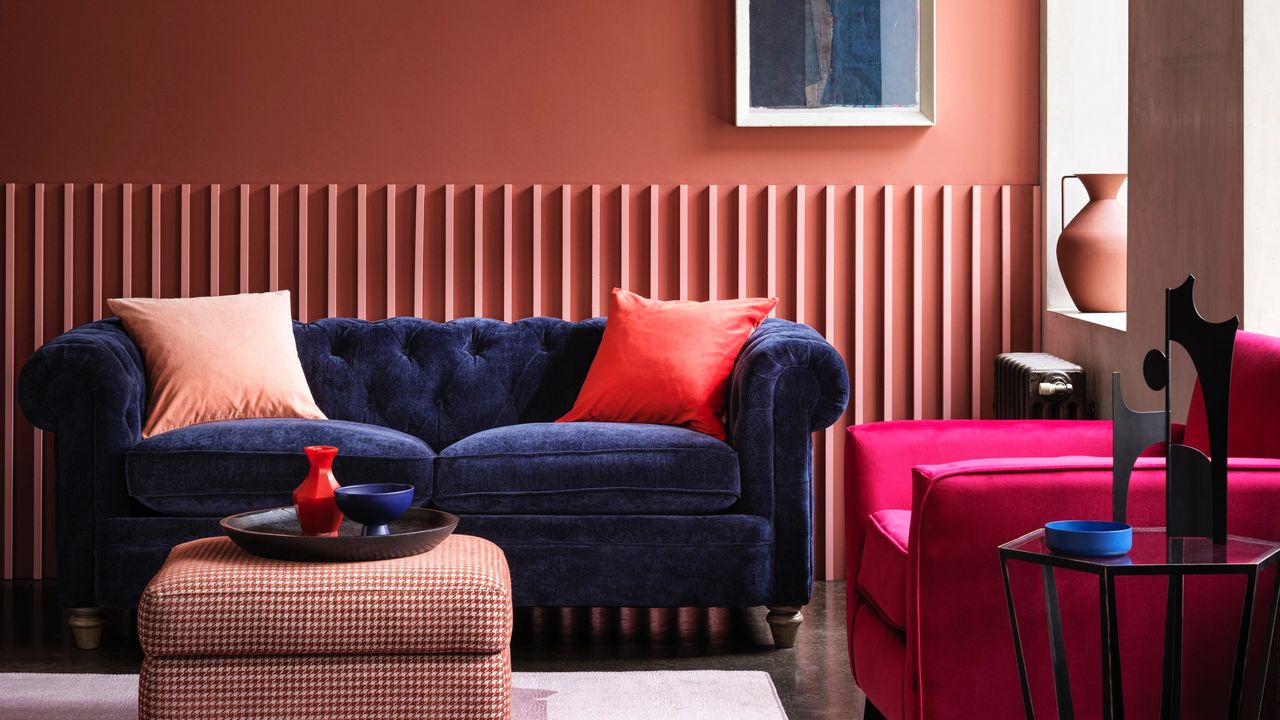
748, 116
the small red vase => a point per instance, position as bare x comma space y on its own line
318, 512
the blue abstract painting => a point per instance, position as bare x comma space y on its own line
834, 54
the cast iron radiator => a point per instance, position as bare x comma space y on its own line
1039, 386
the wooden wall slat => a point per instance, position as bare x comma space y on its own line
362, 252
860, 339
450, 261
273, 237
537, 251
10, 354
331, 254
975, 308
126, 240
304, 257
97, 251
948, 287
917, 302
477, 256
215, 240
890, 385
830, 274
37, 437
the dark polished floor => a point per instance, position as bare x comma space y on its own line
813, 678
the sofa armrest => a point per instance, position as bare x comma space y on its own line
88, 387
957, 621
787, 383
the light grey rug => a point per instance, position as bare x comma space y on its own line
667, 695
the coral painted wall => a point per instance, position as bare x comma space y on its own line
622, 110
443, 91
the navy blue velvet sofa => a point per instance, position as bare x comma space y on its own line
589, 514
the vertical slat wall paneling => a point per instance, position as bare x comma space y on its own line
156, 290
595, 251
1037, 272
450, 257
68, 256
857, 369
742, 241
713, 245
362, 252
829, 446
126, 240
419, 249
948, 284
184, 243
10, 328
508, 258
566, 252
536, 239
273, 237
243, 284
97, 251
304, 257
975, 309
1006, 273
477, 258
215, 239
37, 339
655, 254
848, 265
889, 308
331, 255
917, 302
624, 238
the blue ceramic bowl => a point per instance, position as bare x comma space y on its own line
374, 505
1088, 538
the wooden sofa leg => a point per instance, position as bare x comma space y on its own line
784, 622
86, 625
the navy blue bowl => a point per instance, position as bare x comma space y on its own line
1088, 538
374, 505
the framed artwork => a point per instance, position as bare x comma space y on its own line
835, 62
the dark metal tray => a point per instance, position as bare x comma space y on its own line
275, 534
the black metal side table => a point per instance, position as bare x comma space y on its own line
1153, 553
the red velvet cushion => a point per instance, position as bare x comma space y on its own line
883, 577
667, 362
1254, 426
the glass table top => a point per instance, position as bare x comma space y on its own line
1152, 548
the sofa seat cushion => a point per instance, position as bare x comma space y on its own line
882, 578
220, 468
587, 468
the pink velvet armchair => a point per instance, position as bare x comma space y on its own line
928, 503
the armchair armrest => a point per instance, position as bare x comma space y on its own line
88, 387
958, 628
787, 383
879, 458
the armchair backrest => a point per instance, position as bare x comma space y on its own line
1254, 423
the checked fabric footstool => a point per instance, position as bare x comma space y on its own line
230, 635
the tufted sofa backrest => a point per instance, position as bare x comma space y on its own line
444, 381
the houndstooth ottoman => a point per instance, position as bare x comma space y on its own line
230, 635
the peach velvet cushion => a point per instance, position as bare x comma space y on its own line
217, 358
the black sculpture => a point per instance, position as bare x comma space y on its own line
1195, 485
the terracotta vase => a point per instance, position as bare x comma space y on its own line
1093, 247
318, 512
